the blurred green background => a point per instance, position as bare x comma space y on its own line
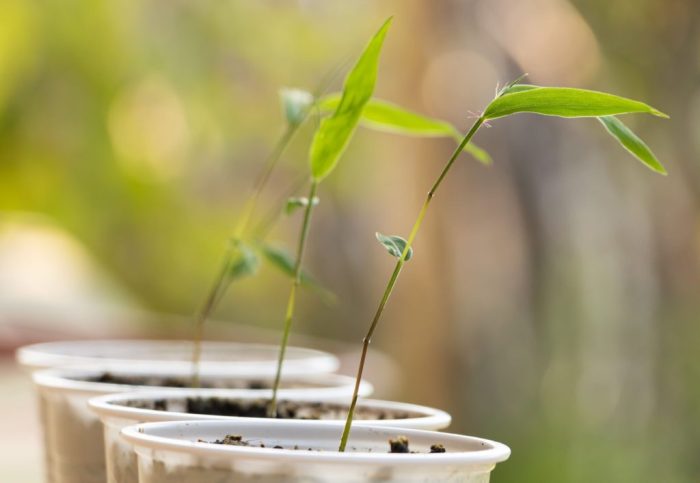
553, 301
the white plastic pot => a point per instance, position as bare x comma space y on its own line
115, 415
230, 358
73, 437
174, 452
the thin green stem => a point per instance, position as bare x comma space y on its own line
232, 251
289, 315
264, 177
395, 275
221, 282
210, 302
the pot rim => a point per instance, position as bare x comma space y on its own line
108, 406
137, 435
64, 379
299, 360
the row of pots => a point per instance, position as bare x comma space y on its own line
117, 421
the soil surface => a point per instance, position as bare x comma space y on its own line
160, 381
257, 408
397, 445
400, 445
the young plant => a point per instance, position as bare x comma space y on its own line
245, 247
329, 142
239, 258
514, 98
346, 110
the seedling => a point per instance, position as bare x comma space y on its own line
247, 244
239, 258
514, 98
329, 143
345, 111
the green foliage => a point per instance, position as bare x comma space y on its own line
284, 262
296, 202
295, 104
245, 264
334, 133
385, 116
279, 258
395, 245
563, 102
479, 154
512, 99
632, 143
566, 102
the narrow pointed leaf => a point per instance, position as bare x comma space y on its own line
395, 245
295, 104
246, 263
478, 153
385, 116
284, 262
334, 133
632, 143
564, 102
279, 259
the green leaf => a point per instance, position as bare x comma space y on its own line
296, 202
563, 102
385, 116
632, 143
478, 153
334, 133
279, 258
284, 262
395, 245
246, 263
295, 104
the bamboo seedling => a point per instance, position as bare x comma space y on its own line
247, 245
239, 259
330, 141
342, 113
514, 98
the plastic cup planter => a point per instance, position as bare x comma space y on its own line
73, 437
120, 410
182, 452
231, 358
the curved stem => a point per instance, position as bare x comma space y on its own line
232, 251
395, 275
263, 178
289, 315
217, 289
221, 281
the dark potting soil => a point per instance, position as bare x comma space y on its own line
159, 381
397, 445
400, 445
237, 440
257, 408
